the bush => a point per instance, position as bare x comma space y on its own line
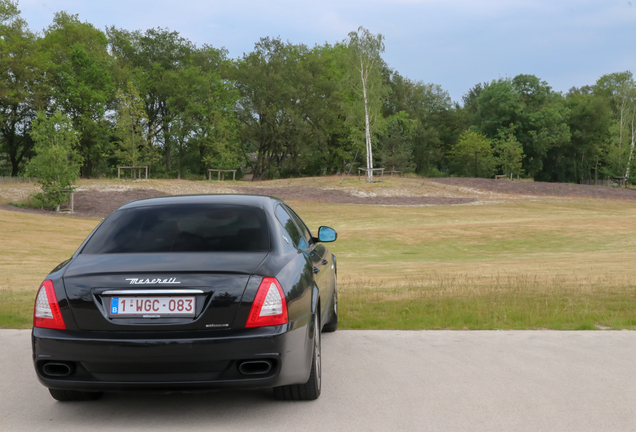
56, 163
472, 156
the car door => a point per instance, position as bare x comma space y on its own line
320, 258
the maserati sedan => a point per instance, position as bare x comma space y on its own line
185, 293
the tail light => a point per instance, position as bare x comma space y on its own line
269, 307
47, 312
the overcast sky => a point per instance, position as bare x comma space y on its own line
454, 43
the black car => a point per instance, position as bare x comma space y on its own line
189, 292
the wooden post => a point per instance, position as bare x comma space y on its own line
234, 175
118, 173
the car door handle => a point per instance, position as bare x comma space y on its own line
325, 262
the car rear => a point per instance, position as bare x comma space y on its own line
169, 296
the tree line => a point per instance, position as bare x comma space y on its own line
155, 98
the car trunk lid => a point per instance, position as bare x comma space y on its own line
214, 281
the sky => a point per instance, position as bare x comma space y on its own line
453, 43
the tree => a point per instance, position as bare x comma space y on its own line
23, 90
435, 128
365, 79
148, 59
619, 90
132, 127
508, 152
539, 114
203, 122
472, 156
396, 143
616, 88
56, 163
590, 146
82, 83
287, 106
273, 125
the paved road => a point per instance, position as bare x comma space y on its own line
377, 381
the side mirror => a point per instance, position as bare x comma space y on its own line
326, 234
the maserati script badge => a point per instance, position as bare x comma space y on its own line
135, 281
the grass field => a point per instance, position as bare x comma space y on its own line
558, 264
514, 264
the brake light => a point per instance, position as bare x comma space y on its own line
269, 307
47, 312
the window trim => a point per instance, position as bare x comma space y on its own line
310, 240
286, 209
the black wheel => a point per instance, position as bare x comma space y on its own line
74, 395
311, 389
332, 325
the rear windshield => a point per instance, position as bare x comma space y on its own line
182, 228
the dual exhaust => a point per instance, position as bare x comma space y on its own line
255, 367
64, 369
58, 369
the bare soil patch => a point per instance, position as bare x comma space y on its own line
334, 196
94, 203
540, 188
99, 199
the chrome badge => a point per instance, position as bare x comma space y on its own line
136, 281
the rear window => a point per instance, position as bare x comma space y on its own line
182, 228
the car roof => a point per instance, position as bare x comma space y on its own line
236, 199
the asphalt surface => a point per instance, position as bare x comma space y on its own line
376, 381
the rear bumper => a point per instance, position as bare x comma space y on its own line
111, 362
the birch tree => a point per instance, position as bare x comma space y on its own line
632, 104
618, 88
366, 82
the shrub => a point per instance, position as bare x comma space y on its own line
56, 163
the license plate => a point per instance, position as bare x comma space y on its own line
152, 307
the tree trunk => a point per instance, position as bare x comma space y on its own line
367, 132
168, 157
15, 166
631, 150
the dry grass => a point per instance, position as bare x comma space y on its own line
32, 245
391, 187
567, 238
561, 264
511, 263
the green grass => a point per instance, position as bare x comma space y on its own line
16, 308
512, 308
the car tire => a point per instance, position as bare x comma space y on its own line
332, 325
74, 395
311, 389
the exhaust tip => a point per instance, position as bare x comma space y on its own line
256, 367
57, 369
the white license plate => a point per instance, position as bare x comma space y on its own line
152, 307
